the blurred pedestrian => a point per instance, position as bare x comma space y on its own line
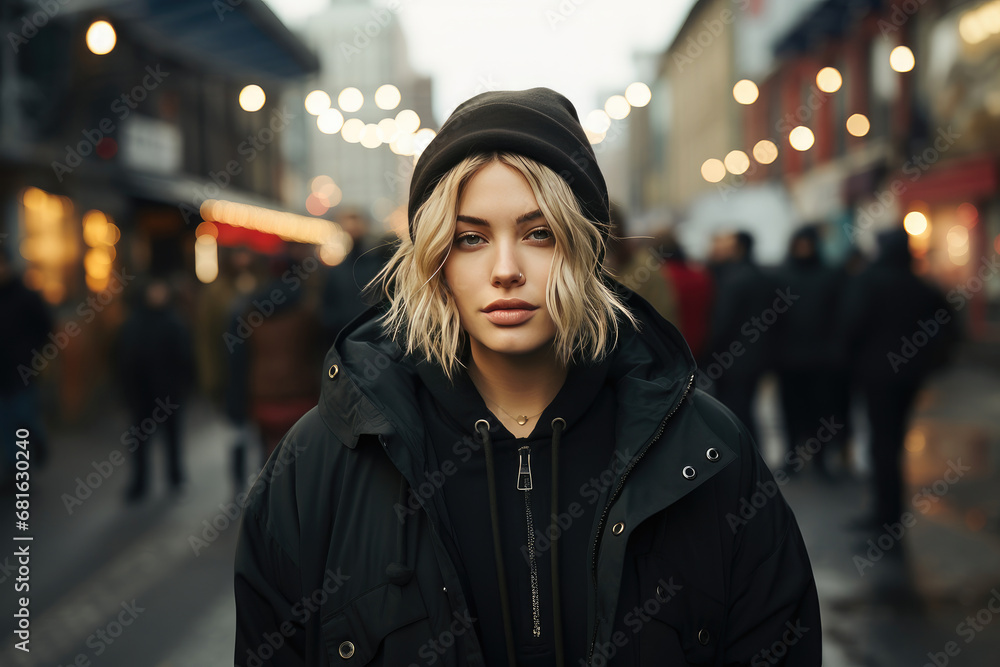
156, 368
25, 329
693, 291
805, 351
275, 343
898, 329
741, 342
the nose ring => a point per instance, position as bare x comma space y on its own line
520, 276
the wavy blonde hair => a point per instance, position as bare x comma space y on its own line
423, 311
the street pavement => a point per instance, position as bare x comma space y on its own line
151, 584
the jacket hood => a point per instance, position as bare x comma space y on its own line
370, 385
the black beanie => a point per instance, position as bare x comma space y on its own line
538, 123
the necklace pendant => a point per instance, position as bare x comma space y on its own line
521, 419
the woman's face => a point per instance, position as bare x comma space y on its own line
503, 250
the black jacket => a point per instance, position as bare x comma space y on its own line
698, 558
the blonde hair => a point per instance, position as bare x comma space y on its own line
422, 309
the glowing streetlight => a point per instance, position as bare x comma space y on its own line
829, 80
330, 121
713, 170
858, 125
801, 138
765, 151
638, 94
617, 107
252, 98
350, 99
101, 38
317, 102
737, 162
745, 91
901, 59
387, 97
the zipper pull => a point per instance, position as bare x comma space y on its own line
524, 469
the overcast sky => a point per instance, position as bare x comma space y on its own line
582, 48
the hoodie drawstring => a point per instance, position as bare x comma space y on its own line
483, 428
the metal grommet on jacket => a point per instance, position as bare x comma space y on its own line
703, 637
618, 528
712, 454
346, 650
333, 371
688, 472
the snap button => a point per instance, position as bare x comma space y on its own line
703, 637
712, 454
688, 472
444, 588
618, 528
333, 371
660, 592
346, 650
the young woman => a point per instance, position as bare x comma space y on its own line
509, 464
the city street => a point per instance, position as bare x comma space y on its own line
109, 563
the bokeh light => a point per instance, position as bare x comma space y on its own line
387, 97
101, 38
737, 162
829, 80
252, 98
801, 138
617, 107
352, 129
408, 121
915, 223
330, 121
638, 94
597, 121
350, 99
765, 151
317, 102
858, 125
901, 59
745, 91
713, 170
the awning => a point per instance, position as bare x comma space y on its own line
241, 37
969, 178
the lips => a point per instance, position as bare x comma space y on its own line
507, 312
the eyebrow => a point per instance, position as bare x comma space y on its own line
526, 217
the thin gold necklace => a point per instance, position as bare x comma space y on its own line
520, 419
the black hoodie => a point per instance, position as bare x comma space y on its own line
586, 403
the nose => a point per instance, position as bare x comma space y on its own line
506, 265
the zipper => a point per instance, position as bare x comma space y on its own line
614, 496
524, 484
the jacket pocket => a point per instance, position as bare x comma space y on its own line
682, 619
354, 633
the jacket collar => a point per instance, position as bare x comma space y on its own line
369, 384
